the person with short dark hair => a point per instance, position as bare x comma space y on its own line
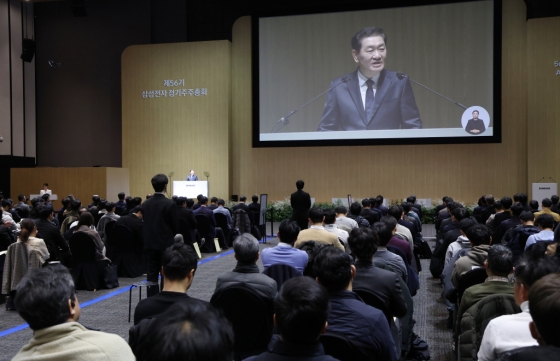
317, 232
255, 205
193, 331
365, 326
506, 203
355, 210
179, 263
213, 203
342, 220
161, 224
507, 224
301, 203
546, 205
397, 213
241, 204
516, 238
534, 205
486, 212
461, 242
301, 310
84, 225
45, 190
331, 226
396, 109
385, 231
284, 252
368, 213
499, 266
70, 216
246, 272
109, 216
7, 218
509, 332
57, 246
197, 205
46, 299
121, 204
522, 197
480, 239
555, 199
21, 207
222, 210
545, 222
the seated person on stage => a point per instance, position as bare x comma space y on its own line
545, 222
479, 236
179, 264
246, 272
316, 232
365, 326
284, 253
544, 298
300, 315
46, 300
195, 331
509, 332
331, 226
499, 266
342, 221
384, 233
355, 210
383, 283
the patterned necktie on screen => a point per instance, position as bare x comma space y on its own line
369, 99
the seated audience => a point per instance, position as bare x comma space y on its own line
254, 206
544, 298
546, 205
506, 203
370, 215
284, 252
316, 232
84, 225
186, 331
179, 264
384, 284
331, 226
499, 266
462, 242
246, 273
409, 211
46, 300
384, 233
301, 310
398, 242
506, 225
534, 206
545, 222
213, 203
479, 236
349, 316
71, 216
133, 221
342, 221
7, 218
509, 332
22, 208
397, 213
120, 205
516, 238
57, 246
28, 236
488, 210
355, 210
379, 205
241, 204
109, 216
221, 209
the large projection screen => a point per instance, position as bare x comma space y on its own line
453, 49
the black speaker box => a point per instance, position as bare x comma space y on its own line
28, 50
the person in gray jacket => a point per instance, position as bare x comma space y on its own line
247, 273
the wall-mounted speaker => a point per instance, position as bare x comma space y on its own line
234, 198
28, 50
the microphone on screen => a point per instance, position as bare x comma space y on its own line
402, 76
282, 122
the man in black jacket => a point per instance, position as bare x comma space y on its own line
57, 246
301, 203
161, 224
133, 221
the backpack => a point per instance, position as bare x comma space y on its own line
517, 237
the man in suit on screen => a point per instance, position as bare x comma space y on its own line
371, 97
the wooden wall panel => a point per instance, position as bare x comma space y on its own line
163, 135
543, 114
430, 171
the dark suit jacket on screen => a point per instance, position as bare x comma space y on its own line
161, 222
394, 105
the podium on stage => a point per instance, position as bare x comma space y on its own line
543, 190
190, 189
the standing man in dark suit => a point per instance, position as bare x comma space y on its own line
242, 205
161, 224
192, 176
301, 202
371, 97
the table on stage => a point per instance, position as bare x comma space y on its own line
190, 189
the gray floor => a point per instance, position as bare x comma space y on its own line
111, 314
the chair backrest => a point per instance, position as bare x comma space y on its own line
109, 226
249, 314
82, 247
471, 278
341, 348
281, 273
204, 225
185, 231
373, 300
221, 220
121, 240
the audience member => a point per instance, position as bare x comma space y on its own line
120, 205
301, 310
133, 221
254, 206
284, 252
516, 238
384, 233
213, 203
412, 216
522, 197
506, 203
343, 222
224, 211
544, 300
179, 263
161, 224
397, 241
7, 218
379, 205
317, 232
109, 216
22, 208
545, 223
365, 326
246, 272
84, 225
46, 300
499, 266
509, 332
331, 226
241, 204
486, 212
355, 210
301, 203
546, 204
554, 199
57, 246
507, 224
71, 216
480, 239
397, 213
28, 235
186, 214
370, 215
